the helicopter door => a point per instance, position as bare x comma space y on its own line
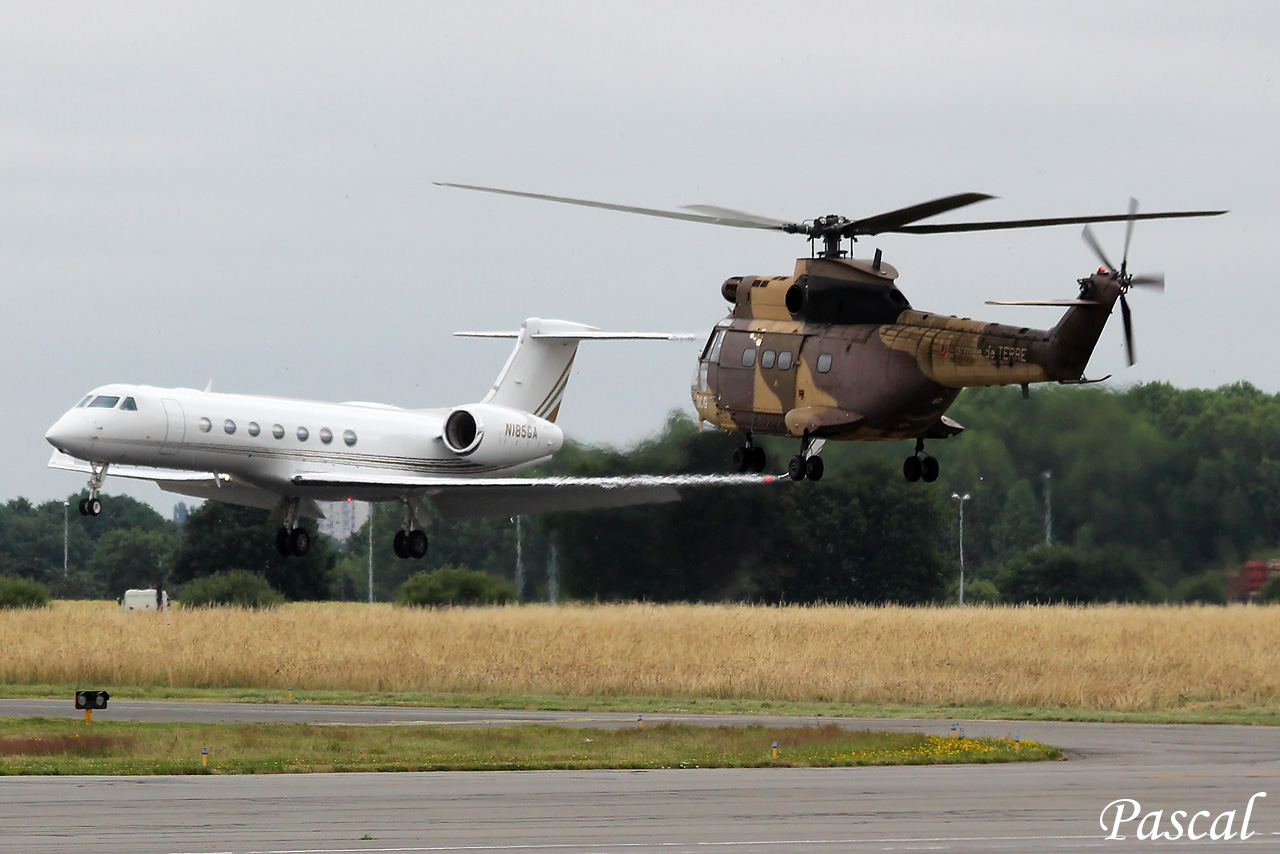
736, 378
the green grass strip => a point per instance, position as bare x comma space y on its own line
60, 746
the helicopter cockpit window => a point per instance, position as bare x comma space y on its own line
749, 357
824, 363
768, 358
784, 360
104, 401
129, 405
712, 351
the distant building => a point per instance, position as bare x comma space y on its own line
1245, 585
342, 518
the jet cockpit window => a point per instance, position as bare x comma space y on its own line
84, 402
129, 405
104, 401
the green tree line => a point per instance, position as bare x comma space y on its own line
1148, 489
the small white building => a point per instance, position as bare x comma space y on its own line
144, 600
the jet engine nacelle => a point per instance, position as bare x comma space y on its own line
495, 435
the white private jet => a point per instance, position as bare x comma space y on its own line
285, 455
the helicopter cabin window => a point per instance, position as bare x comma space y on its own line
824, 363
768, 358
784, 360
104, 401
749, 357
129, 405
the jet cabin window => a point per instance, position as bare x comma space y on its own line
104, 401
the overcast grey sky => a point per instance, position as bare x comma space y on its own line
243, 192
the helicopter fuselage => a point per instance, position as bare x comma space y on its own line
835, 351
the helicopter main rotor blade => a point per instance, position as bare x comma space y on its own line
946, 228
894, 220
1128, 330
712, 215
1087, 234
739, 219
1128, 235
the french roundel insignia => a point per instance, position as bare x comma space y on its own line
942, 348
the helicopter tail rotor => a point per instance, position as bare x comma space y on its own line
1125, 279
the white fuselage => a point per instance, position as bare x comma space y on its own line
263, 442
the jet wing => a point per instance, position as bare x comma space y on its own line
66, 462
468, 498
207, 485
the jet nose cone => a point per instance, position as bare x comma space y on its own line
61, 435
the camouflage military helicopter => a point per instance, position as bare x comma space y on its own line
835, 350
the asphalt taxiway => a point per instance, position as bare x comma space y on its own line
1022, 807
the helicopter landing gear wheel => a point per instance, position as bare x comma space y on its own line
749, 458
928, 469
797, 468
807, 463
813, 468
920, 466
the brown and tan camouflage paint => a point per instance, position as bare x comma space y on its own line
885, 380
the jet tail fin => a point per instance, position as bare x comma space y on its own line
537, 371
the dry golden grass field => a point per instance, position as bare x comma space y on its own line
1116, 658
